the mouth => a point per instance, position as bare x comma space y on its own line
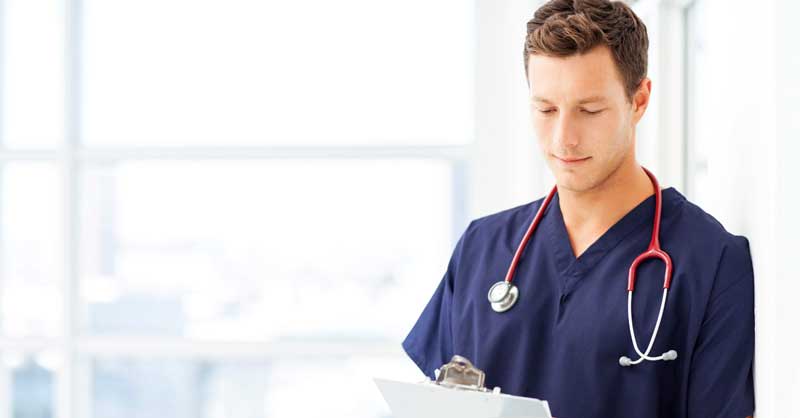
571, 161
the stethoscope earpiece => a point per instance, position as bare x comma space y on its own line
626, 361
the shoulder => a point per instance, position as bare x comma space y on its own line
705, 239
495, 234
706, 232
502, 222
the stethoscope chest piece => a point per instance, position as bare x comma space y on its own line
503, 295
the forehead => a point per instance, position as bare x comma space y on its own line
575, 77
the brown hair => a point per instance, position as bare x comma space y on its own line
562, 28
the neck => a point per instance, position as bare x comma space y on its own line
588, 214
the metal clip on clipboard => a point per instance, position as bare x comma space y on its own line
459, 373
457, 391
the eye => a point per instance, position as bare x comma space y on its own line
588, 112
546, 111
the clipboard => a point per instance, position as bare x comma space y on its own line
457, 392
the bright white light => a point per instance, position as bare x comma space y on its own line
243, 72
13, 360
49, 360
254, 250
31, 228
32, 90
100, 289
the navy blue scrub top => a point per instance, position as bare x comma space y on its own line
562, 340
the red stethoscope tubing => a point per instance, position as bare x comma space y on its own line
653, 250
512, 268
508, 298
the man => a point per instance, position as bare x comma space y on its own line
586, 64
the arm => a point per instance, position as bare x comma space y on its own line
721, 379
430, 342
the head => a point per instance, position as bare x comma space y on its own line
586, 66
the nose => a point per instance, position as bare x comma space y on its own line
565, 135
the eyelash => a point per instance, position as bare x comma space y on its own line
545, 112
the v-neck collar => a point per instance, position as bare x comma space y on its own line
573, 268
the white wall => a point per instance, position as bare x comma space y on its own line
778, 353
506, 169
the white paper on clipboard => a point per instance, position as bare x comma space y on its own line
427, 400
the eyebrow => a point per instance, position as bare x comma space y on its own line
589, 99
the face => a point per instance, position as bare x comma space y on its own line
582, 118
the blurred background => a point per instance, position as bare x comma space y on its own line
238, 208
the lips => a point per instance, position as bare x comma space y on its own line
572, 160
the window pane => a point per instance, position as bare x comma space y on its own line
243, 72
260, 250
32, 83
340, 387
702, 78
32, 383
32, 267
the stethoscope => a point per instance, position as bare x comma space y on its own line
504, 294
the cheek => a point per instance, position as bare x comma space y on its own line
616, 139
607, 122
607, 126
542, 130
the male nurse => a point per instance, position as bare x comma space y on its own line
586, 66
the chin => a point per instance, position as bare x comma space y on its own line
576, 182
574, 186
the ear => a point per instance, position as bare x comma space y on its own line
641, 99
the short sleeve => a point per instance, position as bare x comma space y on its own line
430, 342
721, 381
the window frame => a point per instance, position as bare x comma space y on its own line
72, 380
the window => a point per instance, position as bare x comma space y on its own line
223, 208
699, 81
